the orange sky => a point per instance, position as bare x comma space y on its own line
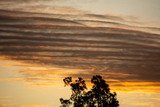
32, 85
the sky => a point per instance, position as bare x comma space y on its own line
144, 10
41, 42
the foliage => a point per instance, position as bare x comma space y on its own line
98, 96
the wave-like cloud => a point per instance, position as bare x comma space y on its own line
67, 41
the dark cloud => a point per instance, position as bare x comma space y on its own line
105, 17
132, 55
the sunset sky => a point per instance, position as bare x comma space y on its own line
43, 41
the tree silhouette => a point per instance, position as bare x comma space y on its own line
98, 96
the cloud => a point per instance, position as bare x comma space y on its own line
68, 43
38, 6
20, 1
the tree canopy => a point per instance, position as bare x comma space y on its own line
98, 96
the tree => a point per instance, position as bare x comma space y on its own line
98, 96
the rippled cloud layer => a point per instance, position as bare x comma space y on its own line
92, 42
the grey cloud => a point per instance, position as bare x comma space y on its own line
74, 45
106, 17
